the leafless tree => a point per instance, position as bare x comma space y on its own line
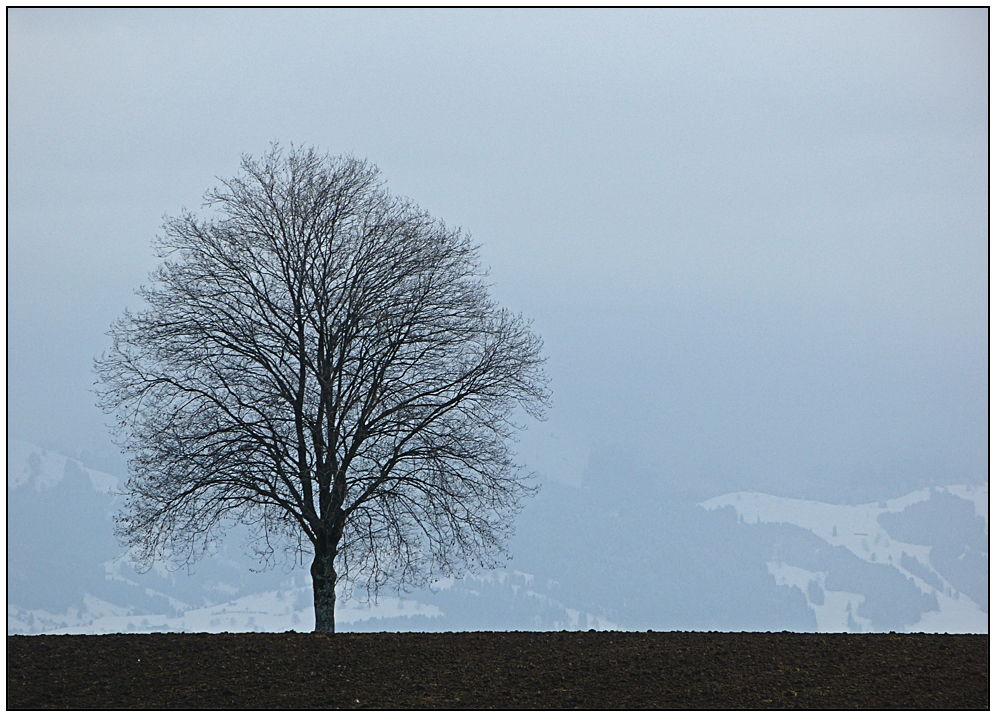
321, 361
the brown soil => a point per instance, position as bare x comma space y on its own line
518, 670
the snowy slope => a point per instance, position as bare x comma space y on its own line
859, 529
93, 588
269, 611
290, 609
27, 463
54, 501
731, 563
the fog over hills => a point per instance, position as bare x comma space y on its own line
584, 558
754, 241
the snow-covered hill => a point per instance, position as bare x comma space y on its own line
67, 574
290, 608
864, 530
27, 464
585, 558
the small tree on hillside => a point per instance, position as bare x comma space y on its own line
321, 362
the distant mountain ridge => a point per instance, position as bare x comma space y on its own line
584, 559
935, 539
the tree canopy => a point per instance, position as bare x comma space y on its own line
322, 362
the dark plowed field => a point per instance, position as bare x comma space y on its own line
595, 670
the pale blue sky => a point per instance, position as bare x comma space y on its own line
755, 241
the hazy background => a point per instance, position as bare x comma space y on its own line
755, 242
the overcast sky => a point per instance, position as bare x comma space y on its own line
755, 242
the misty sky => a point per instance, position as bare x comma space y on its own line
754, 242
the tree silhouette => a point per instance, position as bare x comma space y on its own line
321, 361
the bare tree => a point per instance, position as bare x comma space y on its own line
321, 361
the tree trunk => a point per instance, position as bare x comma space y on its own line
323, 578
